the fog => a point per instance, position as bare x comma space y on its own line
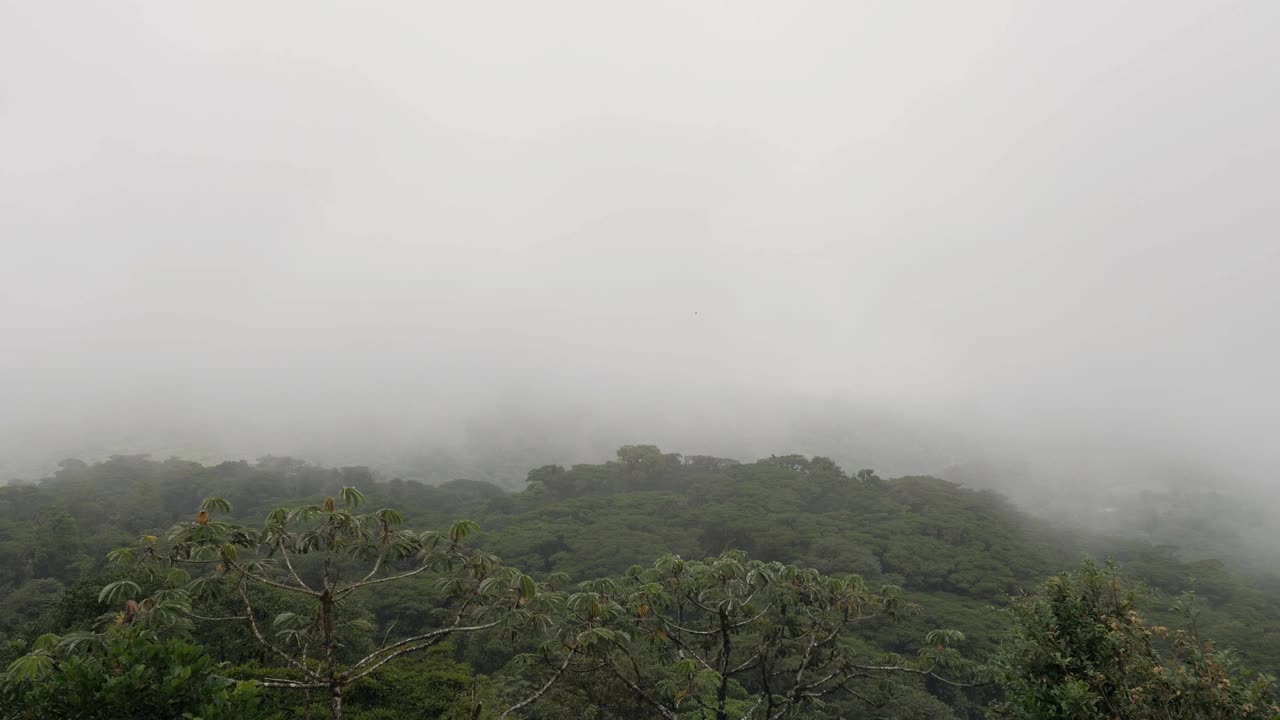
911, 236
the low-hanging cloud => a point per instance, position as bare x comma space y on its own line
909, 234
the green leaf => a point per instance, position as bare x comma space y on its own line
31, 668
390, 516
944, 637
215, 503
117, 591
73, 640
352, 497
47, 641
120, 555
528, 588
462, 529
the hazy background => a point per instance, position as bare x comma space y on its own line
458, 237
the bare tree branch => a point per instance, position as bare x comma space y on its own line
433, 636
917, 671
214, 619
287, 563
267, 581
752, 710
290, 684
754, 618
703, 633
253, 625
377, 565
542, 690
639, 691
366, 583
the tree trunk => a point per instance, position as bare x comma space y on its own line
326, 626
335, 691
722, 693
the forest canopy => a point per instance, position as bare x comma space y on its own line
651, 585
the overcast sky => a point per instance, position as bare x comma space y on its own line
272, 226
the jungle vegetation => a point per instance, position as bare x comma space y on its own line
654, 585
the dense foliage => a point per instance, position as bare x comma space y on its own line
126, 672
1080, 649
585, 615
732, 637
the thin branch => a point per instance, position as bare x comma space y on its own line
542, 690
266, 581
845, 686
377, 565
287, 563
916, 671
819, 683
216, 619
684, 650
750, 620
387, 634
750, 663
786, 708
804, 662
747, 600
402, 651
752, 710
253, 625
864, 698
700, 659
366, 583
457, 618
306, 692
691, 631
639, 691
290, 684
702, 607
433, 637
830, 636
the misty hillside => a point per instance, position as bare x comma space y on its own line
464, 243
960, 555
329, 334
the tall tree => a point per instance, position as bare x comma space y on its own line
732, 637
1079, 650
345, 553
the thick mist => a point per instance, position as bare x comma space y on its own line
478, 236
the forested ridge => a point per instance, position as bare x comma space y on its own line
597, 592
